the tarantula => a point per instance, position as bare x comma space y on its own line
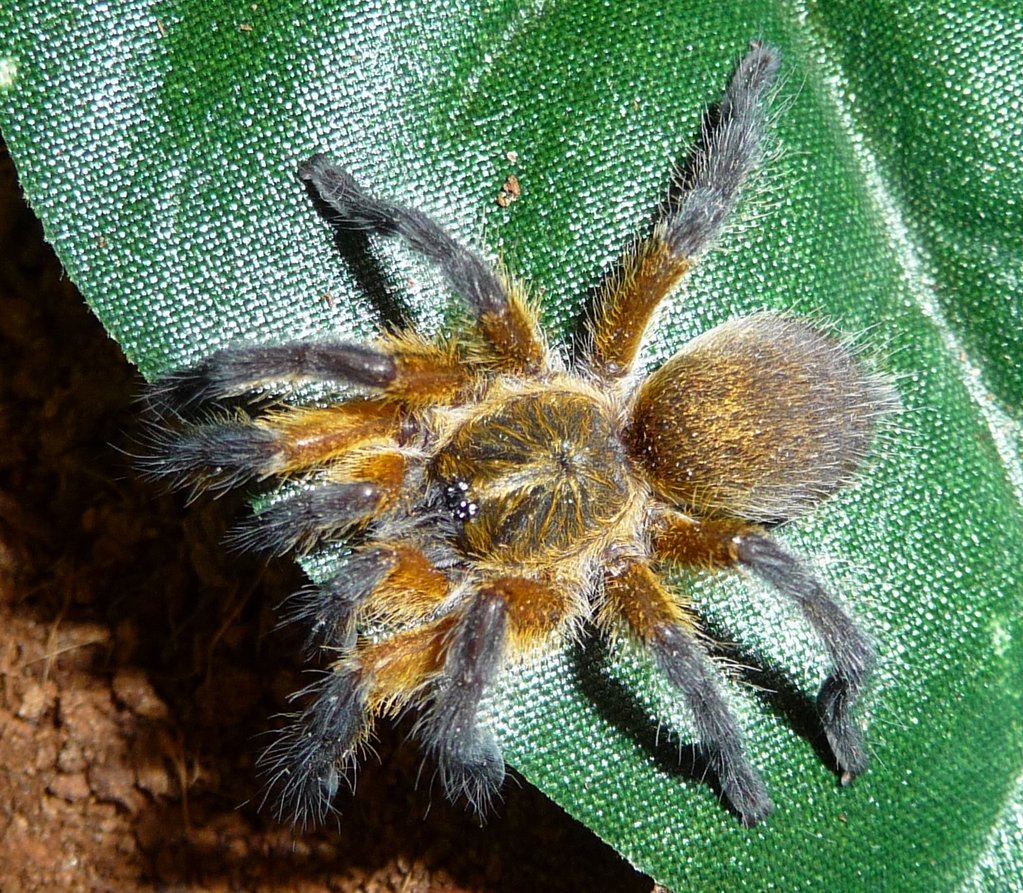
496, 499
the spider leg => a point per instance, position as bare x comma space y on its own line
359, 488
220, 454
505, 319
454, 658
468, 758
726, 543
667, 628
398, 368
304, 767
729, 148
511, 616
389, 582
851, 652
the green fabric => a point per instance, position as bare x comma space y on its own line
158, 143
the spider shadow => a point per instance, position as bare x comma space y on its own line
618, 706
777, 692
355, 249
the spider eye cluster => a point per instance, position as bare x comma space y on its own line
494, 503
459, 502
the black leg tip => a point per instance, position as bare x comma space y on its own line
850, 756
475, 774
746, 793
312, 167
756, 815
843, 734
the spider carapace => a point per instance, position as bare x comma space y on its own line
542, 473
498, 500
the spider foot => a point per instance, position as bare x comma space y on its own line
474, 772
745, 791
304, 767
843, 733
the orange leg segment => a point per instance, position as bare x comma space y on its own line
667, 628
513, 332
308, 438
640, 598
627, 301
710, 543
427, 373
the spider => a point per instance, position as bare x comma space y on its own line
496, 499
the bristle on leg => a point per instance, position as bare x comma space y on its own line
305, 766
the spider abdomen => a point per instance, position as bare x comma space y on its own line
760, 418
539, 474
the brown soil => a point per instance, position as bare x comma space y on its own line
138, 665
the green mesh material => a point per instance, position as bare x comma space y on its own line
158, 143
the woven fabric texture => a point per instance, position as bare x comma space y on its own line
158, 143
